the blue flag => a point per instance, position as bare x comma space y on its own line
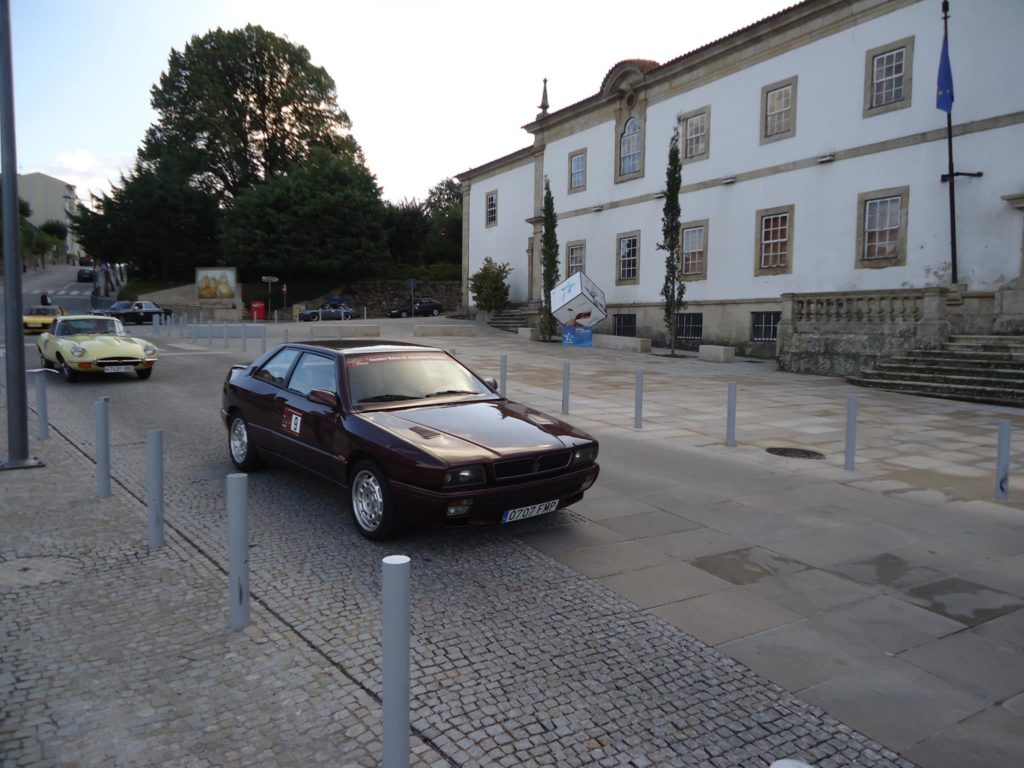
944, 98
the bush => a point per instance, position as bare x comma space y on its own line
490, 285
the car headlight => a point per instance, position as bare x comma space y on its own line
585, 454
460, 476
77, 350
149, 349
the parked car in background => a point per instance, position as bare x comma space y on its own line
39, 318
327, 312
421, 307
94, 344
137, 312
85, 275
411, 433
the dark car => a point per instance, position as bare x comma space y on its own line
421, 307
327, 312
414, 435
137, 312
85, 275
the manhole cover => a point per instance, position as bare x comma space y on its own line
796, 453
33, 571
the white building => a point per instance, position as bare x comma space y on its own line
50, 199
813, 153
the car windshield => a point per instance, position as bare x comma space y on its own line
121, 305
96, 325
44, 311
394, 376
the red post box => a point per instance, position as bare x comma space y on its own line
258, 309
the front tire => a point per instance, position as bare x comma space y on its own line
404, 314
44, 363
243, 454
145, 373
372, 508
435, 313
70, 375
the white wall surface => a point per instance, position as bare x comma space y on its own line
506, 241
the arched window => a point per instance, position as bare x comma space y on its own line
629, 147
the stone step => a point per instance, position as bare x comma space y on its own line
968, 392
967, 370
964, 354
1008, 339
1012, 380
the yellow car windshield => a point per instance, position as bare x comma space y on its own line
97, 325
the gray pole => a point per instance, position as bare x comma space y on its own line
565, 387
851, 430
209, 333
101, 411
226, 336
245, 330
285, 335
638, 401
1003, 462
395, 699
155, 486
14, 337
730, 419
264, 337
503, 380
238, 550
310, 331
42, 414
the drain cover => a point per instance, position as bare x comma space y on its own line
796, 453
33, 571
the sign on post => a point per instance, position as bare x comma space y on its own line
578, 304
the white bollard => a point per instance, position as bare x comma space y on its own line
238, 550
1003, 462
285, 335
155, 487
101, 413
225, 335
638, 401
42, 412
395, 669
209, 333
730, 417
245, 329
851, 431
503, 380
264, 337
565, 387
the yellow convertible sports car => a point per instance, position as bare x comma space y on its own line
39, 318
78, 344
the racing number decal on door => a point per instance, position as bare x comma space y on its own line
292, 421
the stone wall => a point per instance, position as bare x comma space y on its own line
378, 296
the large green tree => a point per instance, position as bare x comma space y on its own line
324, 218
241, 107
443, 208
155, 221
408, 232
548, 264
673, 289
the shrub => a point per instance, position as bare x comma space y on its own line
490, 285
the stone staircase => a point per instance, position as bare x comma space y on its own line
510, 320
981, 369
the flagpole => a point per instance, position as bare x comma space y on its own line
949, 151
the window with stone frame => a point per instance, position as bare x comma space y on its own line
888, 71
491, 209
774, 241
778, 110
630, 148
693, 250
575, 257
695, 128
690, 326
624, 325
578, 170
627, 262
764, 326
882, 228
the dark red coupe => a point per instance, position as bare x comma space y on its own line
414, 435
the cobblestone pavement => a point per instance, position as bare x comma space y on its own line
115, 656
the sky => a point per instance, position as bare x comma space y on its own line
433, 87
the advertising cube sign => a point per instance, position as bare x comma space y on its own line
577, 301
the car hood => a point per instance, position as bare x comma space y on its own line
461, 431
106, 345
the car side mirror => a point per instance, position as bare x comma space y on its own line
324, 397
492, 383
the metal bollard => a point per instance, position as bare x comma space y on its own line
503, 378
245, 330
730, 417
209, 333
155, 487
225, 336
1003, 462
310, 331
238, 550
565, 387
285, 335
851, 430
42, 413
264, 336
395, 669
638, 401
101, 412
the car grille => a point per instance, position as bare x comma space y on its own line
117, 361
532, 465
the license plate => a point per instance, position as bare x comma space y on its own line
119, 369
521, 513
